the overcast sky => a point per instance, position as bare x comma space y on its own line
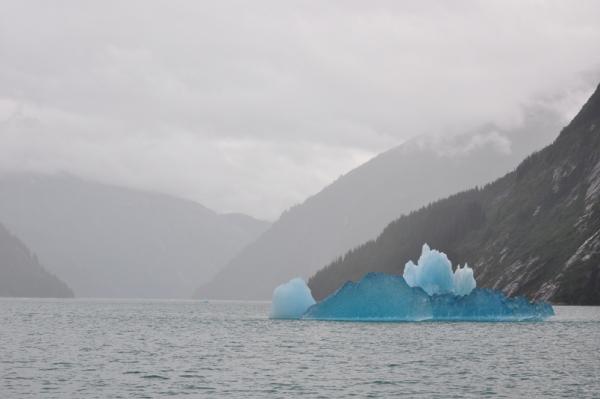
251, 106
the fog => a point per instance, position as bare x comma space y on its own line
253, 106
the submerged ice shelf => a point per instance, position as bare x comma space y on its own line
429, 290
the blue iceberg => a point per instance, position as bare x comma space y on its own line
384, 297
290, 300
429, 290
484, 304
377, 297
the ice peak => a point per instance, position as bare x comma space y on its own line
433, 273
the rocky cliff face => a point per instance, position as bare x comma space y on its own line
535, 231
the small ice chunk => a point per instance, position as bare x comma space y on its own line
291, 300
433, 273
463, 280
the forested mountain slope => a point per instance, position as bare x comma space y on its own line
535, 231
21, 275
109, 241
357, 206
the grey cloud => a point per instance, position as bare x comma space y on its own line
253, 106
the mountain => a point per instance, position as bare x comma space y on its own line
534, 232
108, 241
357, 206
21, 274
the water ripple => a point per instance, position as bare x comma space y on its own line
136, 349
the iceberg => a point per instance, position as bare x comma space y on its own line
484, 304
377, 297
384, 297
428, 290
291, 300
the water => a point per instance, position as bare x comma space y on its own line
137, 349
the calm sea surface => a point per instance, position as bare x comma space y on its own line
149, 349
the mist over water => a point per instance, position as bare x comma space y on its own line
136, 349
301, 152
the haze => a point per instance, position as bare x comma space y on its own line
253, 106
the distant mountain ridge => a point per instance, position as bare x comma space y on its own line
110, 241
21, 274
534, 232
357, 206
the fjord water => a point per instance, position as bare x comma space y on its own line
144, 348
